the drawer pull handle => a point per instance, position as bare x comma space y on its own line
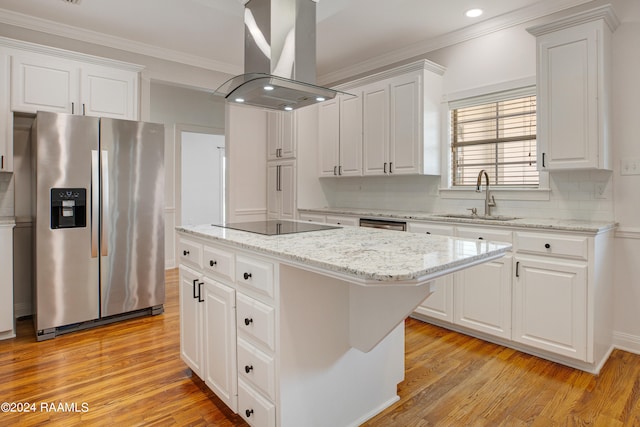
248, 368
212, 262
248, 321
546, 245
247, 276
185, 253
248, 412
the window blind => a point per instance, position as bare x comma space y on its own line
499, 137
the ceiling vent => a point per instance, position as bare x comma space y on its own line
279, 57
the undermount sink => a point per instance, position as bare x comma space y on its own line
482, 217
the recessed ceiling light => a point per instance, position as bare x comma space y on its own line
473, 13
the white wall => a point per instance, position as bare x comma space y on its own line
173, 105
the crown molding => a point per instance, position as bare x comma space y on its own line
605, 13
50, 27
502, 22
416, 66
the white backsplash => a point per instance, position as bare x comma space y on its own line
585, 195
6, 195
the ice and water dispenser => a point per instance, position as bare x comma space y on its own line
68, 207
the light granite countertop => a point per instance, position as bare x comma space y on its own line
7, 220
530, 223
364, 254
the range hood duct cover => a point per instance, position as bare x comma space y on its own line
279, 57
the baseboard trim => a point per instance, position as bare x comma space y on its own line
626, 342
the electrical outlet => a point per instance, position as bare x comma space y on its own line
630, 166
600, 190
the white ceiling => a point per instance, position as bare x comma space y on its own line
351, 34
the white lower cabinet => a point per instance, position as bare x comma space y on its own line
220, 341
227, 327
7, 321
439, 305
482, 294
342, 220
550, 305
548, 296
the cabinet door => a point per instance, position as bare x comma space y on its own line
108, 92
280, 135
6, 117
568, 98
40, 82
375, 130
550, 305
220, 341
350, 136
6, 280
329, 137
191, 320
287, 190
438, 305
405, 123
273, 193
483, 297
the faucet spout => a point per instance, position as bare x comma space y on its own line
489, 200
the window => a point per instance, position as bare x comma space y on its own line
498, 136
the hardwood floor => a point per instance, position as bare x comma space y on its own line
130, 373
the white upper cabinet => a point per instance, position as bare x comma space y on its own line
281, 135
42, 82
401, 120
574, 91
6, 118
340, 136
58, 84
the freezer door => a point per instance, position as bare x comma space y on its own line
132, 223
66, 273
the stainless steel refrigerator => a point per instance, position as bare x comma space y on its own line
98, 202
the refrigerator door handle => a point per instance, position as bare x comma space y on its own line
95, 202
104, 232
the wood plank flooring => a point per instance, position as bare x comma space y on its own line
130, 374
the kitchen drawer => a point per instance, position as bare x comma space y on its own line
557, 245
256, 320
190, 253
257, 367
343, 220
255, 274
427, 228
218, 262
255, 409
485, 234
312, 217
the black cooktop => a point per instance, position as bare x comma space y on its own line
275, 227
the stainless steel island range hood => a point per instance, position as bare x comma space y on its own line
279, 57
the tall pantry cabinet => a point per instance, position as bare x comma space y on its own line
281, 165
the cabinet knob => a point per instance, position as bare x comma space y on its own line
248, 412
248, 321
248, 368
480, 238
212, 262
428, 232
185, 253
547, 245
246, 276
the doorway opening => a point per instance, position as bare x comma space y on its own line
201, 176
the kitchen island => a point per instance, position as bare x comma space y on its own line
307, 328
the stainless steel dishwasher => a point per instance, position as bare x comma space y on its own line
383, 223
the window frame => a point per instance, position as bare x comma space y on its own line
513, 89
